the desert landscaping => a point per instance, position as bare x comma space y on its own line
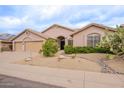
84, 62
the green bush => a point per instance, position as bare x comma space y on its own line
110, 56
71, 50
102, 50
84, 50
50, 48
114, 41
68, 49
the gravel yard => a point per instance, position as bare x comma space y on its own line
116, 64
77, 63
86, 62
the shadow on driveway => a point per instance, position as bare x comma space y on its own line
13, 82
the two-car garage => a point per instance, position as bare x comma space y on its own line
29, 41
28, 46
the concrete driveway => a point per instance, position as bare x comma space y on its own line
6, 57
56, 76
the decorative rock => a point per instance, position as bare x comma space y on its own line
28, 59
61, 57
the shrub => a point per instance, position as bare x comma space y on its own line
110, 56
102, 50
50, 47
114, 41
71, 50
84, 50
68, 49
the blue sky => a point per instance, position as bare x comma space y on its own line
14, 19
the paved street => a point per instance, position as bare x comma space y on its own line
12, 82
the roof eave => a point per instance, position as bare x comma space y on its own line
94, 24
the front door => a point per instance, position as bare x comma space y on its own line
62, 44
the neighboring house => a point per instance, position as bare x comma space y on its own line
30, 40
5, 45
5, 42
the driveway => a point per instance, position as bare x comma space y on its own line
6, 57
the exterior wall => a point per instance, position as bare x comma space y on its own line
31, 35
58, 31
80, 39
30, 42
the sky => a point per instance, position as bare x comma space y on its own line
14, 19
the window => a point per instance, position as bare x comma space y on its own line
70, 42
93, 39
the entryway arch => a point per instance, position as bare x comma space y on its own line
61, 42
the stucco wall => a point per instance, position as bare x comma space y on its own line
31, 35
57, 31
80, 39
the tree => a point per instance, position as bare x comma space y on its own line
50, 47
114, 41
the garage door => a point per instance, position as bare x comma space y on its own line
28, 46
33, 46
18, 46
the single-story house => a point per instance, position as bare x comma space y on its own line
30, 40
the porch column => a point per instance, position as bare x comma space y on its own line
0, 46
13, 46
66, 41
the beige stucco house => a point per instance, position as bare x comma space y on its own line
30, 40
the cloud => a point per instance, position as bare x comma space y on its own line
17, 18
115, 21
100, 14
44, 12
11, 21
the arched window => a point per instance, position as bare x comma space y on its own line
93, 39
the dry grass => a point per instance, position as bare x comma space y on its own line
66, 63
